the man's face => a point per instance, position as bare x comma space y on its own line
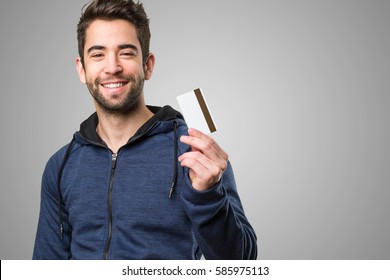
113, 68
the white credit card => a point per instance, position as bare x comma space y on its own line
196, 113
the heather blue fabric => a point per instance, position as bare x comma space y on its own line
145, 223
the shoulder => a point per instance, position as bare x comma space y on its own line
54, 163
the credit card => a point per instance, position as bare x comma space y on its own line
196, 113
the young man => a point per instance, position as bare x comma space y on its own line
135, 182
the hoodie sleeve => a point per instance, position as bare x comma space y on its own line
219, 222
48, 242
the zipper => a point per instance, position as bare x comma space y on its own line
112, 175
111, 186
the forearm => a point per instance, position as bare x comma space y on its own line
219, 223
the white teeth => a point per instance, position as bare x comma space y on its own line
117, 85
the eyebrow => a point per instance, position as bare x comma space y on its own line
121, 47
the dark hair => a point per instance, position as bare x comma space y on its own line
115, 9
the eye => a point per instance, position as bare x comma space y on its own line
128, 54
96, 55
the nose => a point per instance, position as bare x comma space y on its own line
113, 65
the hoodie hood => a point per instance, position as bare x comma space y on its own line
160, 122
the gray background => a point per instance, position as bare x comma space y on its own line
299, 91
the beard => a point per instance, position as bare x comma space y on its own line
122, 107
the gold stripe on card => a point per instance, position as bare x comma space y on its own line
205, 110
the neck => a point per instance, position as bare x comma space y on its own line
116, 130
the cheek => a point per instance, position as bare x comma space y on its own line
91, 75
133, 68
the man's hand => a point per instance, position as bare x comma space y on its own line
207, 161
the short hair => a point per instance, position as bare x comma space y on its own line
127, 10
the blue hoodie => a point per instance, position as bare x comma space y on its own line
138, 203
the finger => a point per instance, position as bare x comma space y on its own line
213, 170
201, 146
198, 134
200, 175
206, 145
214, 167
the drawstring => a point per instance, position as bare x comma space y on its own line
174, 179
67, 153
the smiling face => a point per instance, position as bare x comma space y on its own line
113, 69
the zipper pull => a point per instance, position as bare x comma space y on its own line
113, 160
62, 231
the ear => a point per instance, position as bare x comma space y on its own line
80, 70
149, 66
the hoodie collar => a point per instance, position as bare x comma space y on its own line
166, 113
